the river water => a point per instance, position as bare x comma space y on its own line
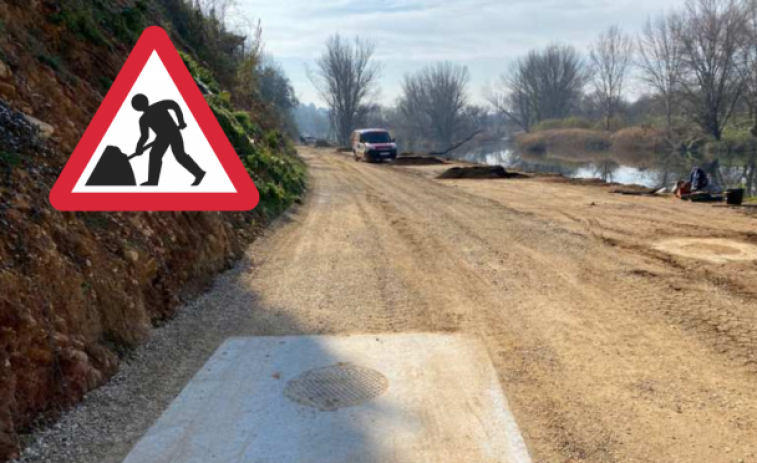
646, 169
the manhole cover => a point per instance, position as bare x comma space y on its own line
335, 387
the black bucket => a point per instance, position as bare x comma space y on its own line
113, 169
735, 197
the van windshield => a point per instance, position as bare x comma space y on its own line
375, 137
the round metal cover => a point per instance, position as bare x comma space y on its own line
339, 386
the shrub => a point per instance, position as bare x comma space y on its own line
280, 178
567, 123
50, 61
200, 73
80, 20
128, 24
644, 139
9, 161
717, 148
739, 140
278, 174
105, 83
564, 139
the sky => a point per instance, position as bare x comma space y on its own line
484, 35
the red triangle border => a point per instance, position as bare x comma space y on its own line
154, 39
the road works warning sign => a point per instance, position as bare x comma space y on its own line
154, 144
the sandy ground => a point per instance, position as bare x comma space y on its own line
620, 328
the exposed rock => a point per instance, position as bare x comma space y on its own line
5, 71
131, 255
17, 135
204, 89
22, 202
7, 91
45, 130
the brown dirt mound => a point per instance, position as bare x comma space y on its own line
419, 161
479, 172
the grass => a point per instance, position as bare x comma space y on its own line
129, 23
571, 135
9, 161
51, 61
105, 83
567, 123
200, 73
81, 21
564, 139
645, 139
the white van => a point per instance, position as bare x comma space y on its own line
373, 145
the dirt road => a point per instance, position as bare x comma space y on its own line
609, 346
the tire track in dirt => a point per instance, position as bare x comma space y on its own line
607, 349
568, 268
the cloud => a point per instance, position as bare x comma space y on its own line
485, 35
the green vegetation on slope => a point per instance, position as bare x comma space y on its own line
269, 157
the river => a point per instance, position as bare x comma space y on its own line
647, 169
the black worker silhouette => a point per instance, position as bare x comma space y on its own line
157, 117
113, 168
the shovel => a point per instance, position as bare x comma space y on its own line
147, 147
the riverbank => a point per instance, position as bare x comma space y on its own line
637, 163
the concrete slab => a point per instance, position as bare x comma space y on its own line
416, 398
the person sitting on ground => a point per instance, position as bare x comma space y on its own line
699, 179
683, 188
702, 182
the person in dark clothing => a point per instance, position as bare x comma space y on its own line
158, 119
699, 179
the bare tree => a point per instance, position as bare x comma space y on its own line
713, 37
749, 63
346, 77
661, 60
219, 9
546, 84
749, 70
611, 57
435, 99
513, 99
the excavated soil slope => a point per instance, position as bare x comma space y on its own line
78, 291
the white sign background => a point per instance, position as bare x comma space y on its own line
157, 85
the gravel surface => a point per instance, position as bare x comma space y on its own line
111, 419
609, 349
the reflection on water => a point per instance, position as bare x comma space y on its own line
646, 169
